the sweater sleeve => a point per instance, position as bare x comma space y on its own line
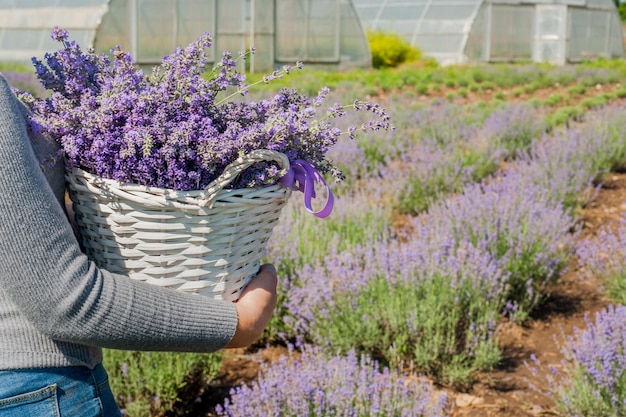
65, 295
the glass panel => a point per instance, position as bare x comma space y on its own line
29, 4
323, 36
155, 29
604, 4
443, 26
232, 16
550, 30
23, 39
572, 2
617, 39
81, 3
115, 28
588, 34
408, 3
476, 41
264, 17
290, 41
231, 28
449, 12
354, 48
442, 43
460, 2
402, 12
551, 21
404, 28
263, 60
306, 30
511, 32
368, 12
194, 18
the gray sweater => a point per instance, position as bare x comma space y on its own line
56, 307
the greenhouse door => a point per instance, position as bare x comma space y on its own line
550, 34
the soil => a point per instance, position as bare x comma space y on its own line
506, 391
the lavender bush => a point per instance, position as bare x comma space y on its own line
176, 128
315, 384
438, 151
603, 257
591, 380
529, 234
571, 162
513, 128
437, 309
299, 240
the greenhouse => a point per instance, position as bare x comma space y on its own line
320, 32
461, 31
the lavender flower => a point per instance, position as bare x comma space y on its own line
517, 223
603, 257
592, 376
175, 128
514, 127
321, 385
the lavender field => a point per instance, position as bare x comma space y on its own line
488, 197
444, 231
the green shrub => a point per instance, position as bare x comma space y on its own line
562, 116
593, 102
488, 85
463, 82
422, 89
554, 99
390, 50
478, 75
531, 88
622, 11
577, 90
150, 383
450, 83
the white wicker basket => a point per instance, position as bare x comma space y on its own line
208, 242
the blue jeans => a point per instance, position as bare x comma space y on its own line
57, 392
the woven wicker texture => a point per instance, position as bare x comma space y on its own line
208, 242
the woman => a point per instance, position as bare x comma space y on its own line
58, 310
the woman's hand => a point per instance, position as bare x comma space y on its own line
255, 307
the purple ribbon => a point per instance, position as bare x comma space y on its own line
305, 175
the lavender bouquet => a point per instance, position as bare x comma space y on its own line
178, 128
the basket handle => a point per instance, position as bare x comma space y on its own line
232, 171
